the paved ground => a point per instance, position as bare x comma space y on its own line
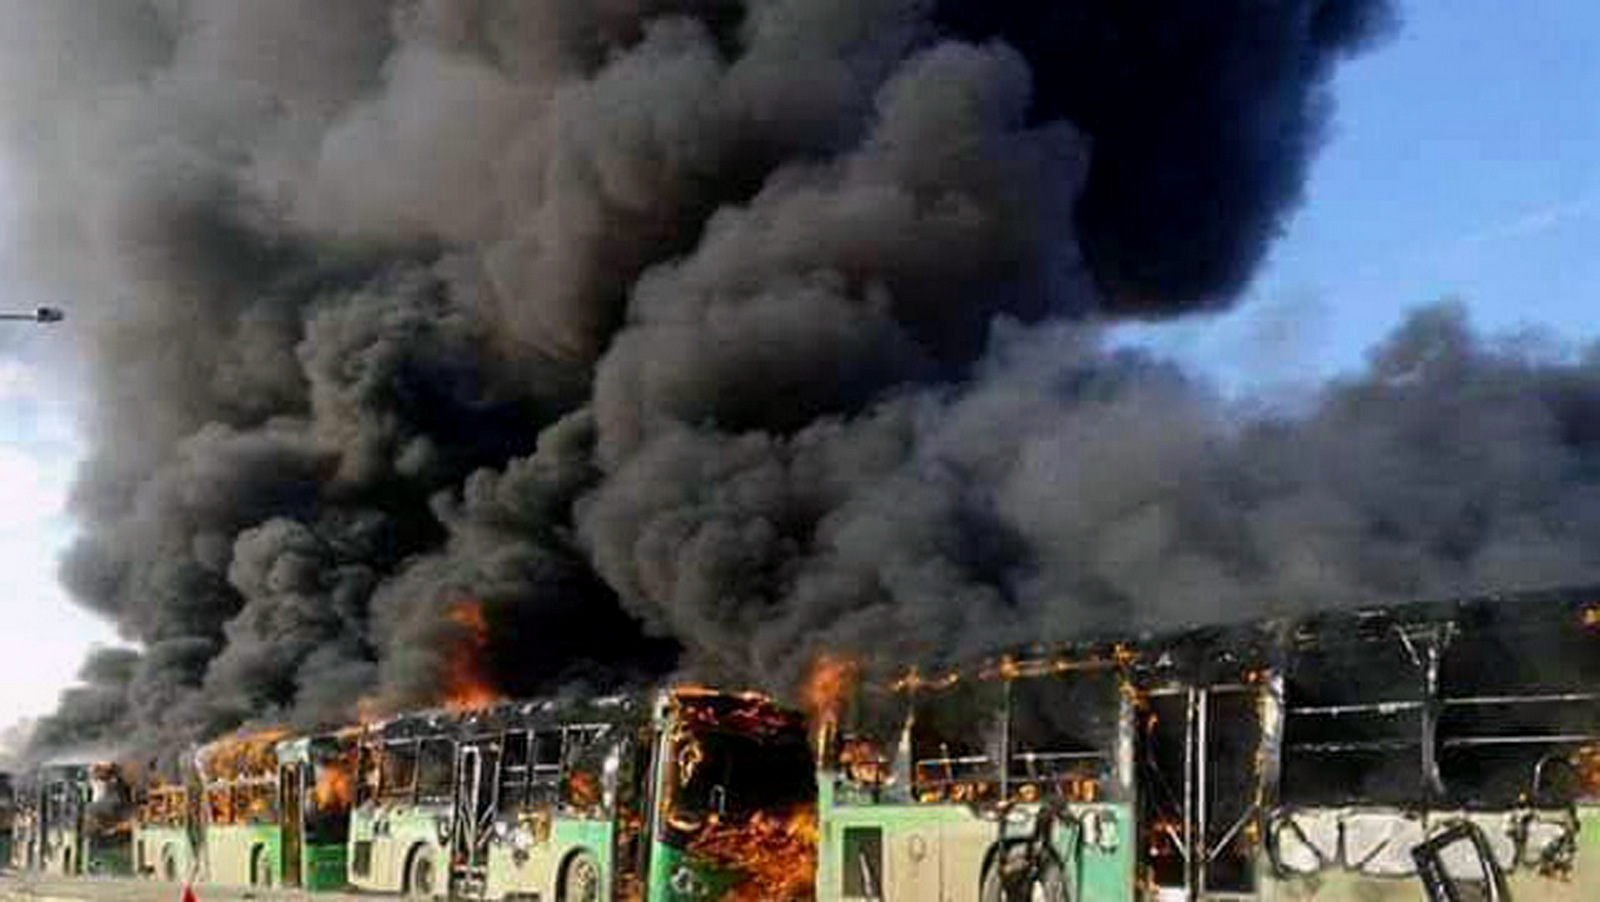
32, 888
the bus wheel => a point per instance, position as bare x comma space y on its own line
260, 867
422, 878
580, 880
1045, 883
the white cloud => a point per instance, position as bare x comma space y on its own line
33, 492
19, 381
45, 635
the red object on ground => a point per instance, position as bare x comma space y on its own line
188, 894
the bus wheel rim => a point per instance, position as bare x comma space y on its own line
586, 880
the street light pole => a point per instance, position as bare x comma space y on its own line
43, 315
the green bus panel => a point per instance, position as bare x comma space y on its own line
161, 846
939, 851
323, 867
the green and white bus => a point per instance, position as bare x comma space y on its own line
81, 820
1442, 751
404, 798
256, 810
681, 794
241, 842
316, 786
914, 803
165, 833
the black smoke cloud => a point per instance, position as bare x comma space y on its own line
680, 334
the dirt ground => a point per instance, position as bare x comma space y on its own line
32, 888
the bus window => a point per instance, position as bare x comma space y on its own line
327, 805
866, 750
514, 771
256, 802
435, 770
1353, 724
219, 805
580, 772
1063, 733
367, 774
955, 736
399, 769
544, 774
727, 776
1517, 714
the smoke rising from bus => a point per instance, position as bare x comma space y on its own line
700, 335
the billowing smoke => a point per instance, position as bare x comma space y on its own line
699, 334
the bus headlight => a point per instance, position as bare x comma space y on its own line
1100, 830
686, 883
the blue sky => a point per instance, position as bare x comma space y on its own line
1462, 162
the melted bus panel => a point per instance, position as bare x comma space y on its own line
1445, 748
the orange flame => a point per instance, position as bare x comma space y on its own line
775, 854
1587, 763
828, 686
466, 686
336, 785
243, 756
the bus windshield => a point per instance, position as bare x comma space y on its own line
731, 776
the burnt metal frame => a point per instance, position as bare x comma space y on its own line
1426, 646
1193, 838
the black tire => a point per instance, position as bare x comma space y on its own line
1046, 882
580, 879
422, 874
260, 867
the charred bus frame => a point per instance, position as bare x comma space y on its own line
82, 821
1344, 756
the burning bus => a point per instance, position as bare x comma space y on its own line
404, 792
78, 819
276, 809
1341, 756
241, 841
166, 832
316, 783
1013, 782
685, 794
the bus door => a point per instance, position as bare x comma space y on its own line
633, 783
291, 804
1201, 761
472, 822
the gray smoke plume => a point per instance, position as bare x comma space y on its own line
690, 334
